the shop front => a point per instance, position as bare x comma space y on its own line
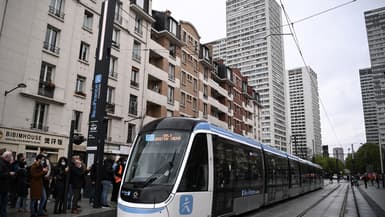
31, 143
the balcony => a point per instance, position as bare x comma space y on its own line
46, 88
134, 84
153, 110
39, 126
51, 47
110, 108
55, 12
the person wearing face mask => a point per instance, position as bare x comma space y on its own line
59, 178
37, 192
21, 184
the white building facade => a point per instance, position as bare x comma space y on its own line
304, 112
50, 46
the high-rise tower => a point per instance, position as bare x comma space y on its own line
304, 112
255, 46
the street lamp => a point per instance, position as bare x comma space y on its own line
20, 85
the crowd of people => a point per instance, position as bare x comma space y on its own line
44, 179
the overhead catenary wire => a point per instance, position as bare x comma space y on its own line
296, 41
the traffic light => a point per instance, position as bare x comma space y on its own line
78, 139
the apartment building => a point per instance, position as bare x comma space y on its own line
157, 68
373, 78
50, 46
254, 45
304, 112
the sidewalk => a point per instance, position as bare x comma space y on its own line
375, 197
86, 207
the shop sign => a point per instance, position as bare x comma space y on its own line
30, 138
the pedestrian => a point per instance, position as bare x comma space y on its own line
22, 184
37, 191
47, 177
377, 181
59, 180
6, 175
365, 178
107, 179
118, 173
77, 182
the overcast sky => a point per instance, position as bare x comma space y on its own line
334, 46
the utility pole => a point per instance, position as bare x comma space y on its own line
97, 124
382, 164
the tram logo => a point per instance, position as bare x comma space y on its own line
186, 205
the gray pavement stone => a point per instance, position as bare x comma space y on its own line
86, 207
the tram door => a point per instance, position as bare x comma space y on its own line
223, 177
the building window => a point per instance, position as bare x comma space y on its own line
183, 99
195, 104
46, 72
140, 3
183, 57
133, 106
170, 95
183, 78
195, 85
88, 20
56, 8
39, 116
136, 51
80, 85
113, 67
118, 12
77, 117
52, 39
84, 51
134, 77
170, 113
184, 36
171, 72
205, 74
205, 91
205, 110
173, 26
172, 50
131, 133
46, 84
110, 95
115, 37
138, 25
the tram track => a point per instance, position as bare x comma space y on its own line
322, 199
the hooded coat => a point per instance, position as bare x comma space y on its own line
37, 174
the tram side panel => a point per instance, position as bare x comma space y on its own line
295, 184
277, 181
238, 177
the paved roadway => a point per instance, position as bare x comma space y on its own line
334, 200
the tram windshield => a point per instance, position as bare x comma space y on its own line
153, 166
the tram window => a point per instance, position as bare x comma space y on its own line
294, 173
195, 176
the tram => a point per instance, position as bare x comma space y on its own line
188, 167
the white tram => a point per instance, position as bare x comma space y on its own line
188, 167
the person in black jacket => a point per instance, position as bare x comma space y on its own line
21, 184
59, 179
5, 180
77, 182
107, 179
